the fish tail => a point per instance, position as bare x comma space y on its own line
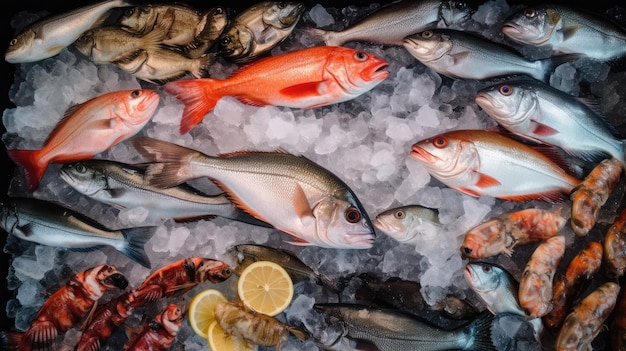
136, 238
197, 95
10, 340
551, 63
330, 38
205, 61
299, 333
480, 329
27, 159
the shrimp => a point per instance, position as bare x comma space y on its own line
160, 333
615, 247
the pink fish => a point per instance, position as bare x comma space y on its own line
88, 129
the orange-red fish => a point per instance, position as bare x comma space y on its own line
535, 286
499, 235
304, 78
618, 327
481, 162
159, 333
614, 258
66, 307
567, 287
592, 193
88, 129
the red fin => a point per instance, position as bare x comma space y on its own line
42, 333
486, 181
302, 90
198, 96
12, 340
301, 204
27, 159
551, 197
544, 130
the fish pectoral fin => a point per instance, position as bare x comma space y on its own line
298, 242
23, 230
460, 57
116, 193
485, 181
301, 204
303, 90
268, 35
544, 130
569, 32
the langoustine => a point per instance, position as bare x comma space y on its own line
159, 333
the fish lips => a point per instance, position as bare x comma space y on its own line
117, 280
377, 72
421, 154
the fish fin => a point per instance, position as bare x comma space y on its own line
194, 219
569, 31
299, 333
301, 203
298, 241
302, 90
237, 201
460, 57
485, 181
480, 328
43, 334
550, 63
168, 161
245, 217
10, 340
206, 61
199, 97
136, 238
33, 171
544, 130
551, 197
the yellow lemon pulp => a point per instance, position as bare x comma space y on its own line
265, 287
219, 340
202, 308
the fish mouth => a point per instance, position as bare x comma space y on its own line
484, 101
420, 154
511, 28
360, 241
116, 280
378, 72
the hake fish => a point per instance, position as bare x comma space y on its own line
409, 223
52, 224
48, 36
295, 195
390, 24
566, 30
495, 286
125, 186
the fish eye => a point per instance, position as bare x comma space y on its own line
459, 5
427, 34
227, 271
219, 10
467, 250
360, 56
225, 41
80, 168
486, 269
400, 214
282, 5
530, 12
129, 12
440, 142
505, 89
353, 215
135, 93
13, 42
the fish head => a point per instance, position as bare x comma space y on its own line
407, 222
454, 12
355, 71
217, 20
85, 43
428, 45
95, 281
139, 19
341, 222
172, 318
283, 14
19, 47
446, 156
83, 178
485, 240
483, 277
211, 270
236, 42
533, 26
135, 107
510, 104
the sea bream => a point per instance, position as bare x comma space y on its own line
566, 30
536, 111
410, 223
391, 23
48, 36
482, 162
53, 224
292, 193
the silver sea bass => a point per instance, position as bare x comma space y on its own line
390, 24
51, 224
410, 223
48, 36
392, 330
566, 30
125, 186
290, 192
541, 113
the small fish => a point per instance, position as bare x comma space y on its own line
463, 55
66, 307
295, 195
389, 329
409, 223
614, 258
471, 161
258, 29
306, 78
89, 128
160, 332
538, 112
48, 36
568, 287
126, 186
592, 193
501, 234
566, 30
392, 23
587, 318
53, 224
618, 325
536, 283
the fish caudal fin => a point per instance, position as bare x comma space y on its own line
330, 38
136, 238
170, 162
27, 159
197, 95
480, 329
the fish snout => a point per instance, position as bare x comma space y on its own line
420, 154
117, 280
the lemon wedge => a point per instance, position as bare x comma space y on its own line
265, 287
202, 308
219, 340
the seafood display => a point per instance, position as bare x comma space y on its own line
202, 153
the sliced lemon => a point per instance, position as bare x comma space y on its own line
265, 287
219, 340
202, 310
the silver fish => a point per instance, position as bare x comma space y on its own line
566, 30
541, 113
48, 36
392, 23
409, 223
462, 55
290, 192
125, 186
389, 329
52, 224
258, 29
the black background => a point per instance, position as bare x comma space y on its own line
34, 6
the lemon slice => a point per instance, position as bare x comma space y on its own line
202, 308
219, 340
265, 287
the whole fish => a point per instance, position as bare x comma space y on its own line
48, 36
160, 332
618, 325
258, 29
88, 129
501, 234
537, 281
66, 307
306, 78
392, 23
53, 224
614, 258
473, 161
409, 223
126, 186
389, 329
295, 195
587, 318
463, 55
566, 30
536, 111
